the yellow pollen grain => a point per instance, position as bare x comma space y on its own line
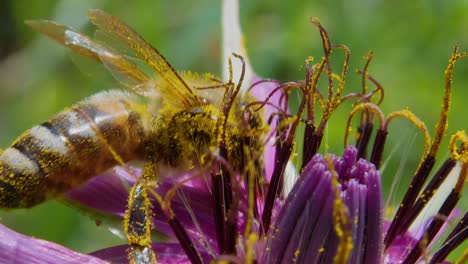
296, 254
250, 248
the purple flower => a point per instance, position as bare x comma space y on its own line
335, 210
330, 212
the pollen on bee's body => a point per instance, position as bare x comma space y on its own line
18, 160
47, 140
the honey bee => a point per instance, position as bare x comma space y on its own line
172, 119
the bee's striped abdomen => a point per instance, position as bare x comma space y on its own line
70, 148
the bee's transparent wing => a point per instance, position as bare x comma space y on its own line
112, 28
121, 68
56, 32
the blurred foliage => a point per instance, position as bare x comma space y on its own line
411, 40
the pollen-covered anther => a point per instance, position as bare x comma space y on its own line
363, 107
460, 154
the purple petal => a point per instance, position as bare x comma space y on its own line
399, 249
18, 248
320, 230
165, 253
108, 194
292, 209
374, 218
355, 199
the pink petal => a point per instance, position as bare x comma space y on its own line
165, 253
108, 194
18, 248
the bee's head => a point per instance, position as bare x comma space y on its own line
193, 130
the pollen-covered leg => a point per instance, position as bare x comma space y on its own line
137, 225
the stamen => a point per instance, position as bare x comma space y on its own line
283, 152
460, 227
222, 182
185, 241
309, 146
440, 219
283, 97
251, 201
408, 200
255, 84
416, 121
379, 89
284, 148
362, 107
311, 139
286, 87
442, 125
428, 193
241, 77
428, 161
225, 213
317, 94
366, 124
282, 130
368, 58
326, 50
218, 208
333, 101
263, 103
313, 135
378, 148
231, 211
217, 86
458, 235
339, 90
456, 153
363, 136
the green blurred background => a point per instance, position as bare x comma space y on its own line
411, 40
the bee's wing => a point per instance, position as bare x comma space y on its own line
175, 87
56, 32
122, 69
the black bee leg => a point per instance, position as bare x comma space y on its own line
137, 225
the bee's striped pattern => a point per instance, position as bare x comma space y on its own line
70, 148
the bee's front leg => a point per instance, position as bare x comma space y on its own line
137, 223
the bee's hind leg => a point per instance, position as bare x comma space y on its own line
137, 221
